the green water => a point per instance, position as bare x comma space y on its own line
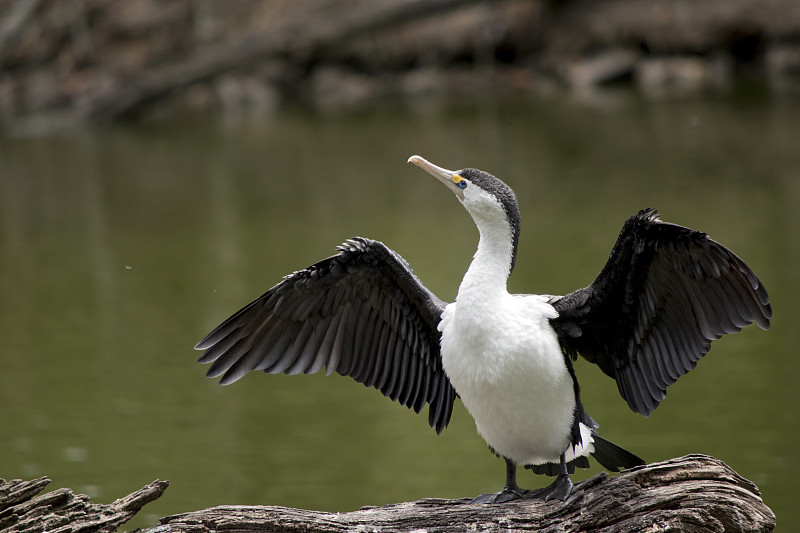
121, 246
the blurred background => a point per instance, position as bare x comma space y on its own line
162, 163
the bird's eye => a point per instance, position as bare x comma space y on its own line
462, 184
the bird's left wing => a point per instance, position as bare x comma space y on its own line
361, 313
664, 295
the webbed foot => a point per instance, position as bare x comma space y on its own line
508, 494
561, 488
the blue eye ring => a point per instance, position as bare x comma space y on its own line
462, 184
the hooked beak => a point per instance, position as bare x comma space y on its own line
449, 177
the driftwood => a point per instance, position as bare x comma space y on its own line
695, 493
63, 511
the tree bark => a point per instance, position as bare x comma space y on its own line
695, 493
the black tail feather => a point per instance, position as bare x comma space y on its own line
553, 469
612, 457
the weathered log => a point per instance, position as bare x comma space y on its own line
695, 493
63, 511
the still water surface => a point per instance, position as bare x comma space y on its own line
121, 246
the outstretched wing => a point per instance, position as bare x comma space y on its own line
665, 293
361, 313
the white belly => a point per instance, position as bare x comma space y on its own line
509, 371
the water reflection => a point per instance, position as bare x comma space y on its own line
121, 246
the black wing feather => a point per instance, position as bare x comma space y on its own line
361, 313
664, 295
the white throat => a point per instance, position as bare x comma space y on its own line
488, 273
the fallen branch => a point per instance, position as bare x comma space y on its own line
695, 493
63, 511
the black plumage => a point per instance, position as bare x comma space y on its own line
361, 313
664, 295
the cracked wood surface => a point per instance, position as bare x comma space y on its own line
693, 493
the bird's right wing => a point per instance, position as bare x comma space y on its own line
361, 313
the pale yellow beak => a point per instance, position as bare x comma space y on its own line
450, 178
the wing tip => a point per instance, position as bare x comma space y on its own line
204, 358
764, 320
228, 379
212, 373
229, 375
201, 344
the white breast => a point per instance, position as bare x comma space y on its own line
504, 360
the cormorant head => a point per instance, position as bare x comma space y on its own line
485, 197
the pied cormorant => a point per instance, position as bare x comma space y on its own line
664, 294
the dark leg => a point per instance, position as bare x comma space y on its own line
510, 492
560, 488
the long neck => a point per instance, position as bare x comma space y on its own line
488, 273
